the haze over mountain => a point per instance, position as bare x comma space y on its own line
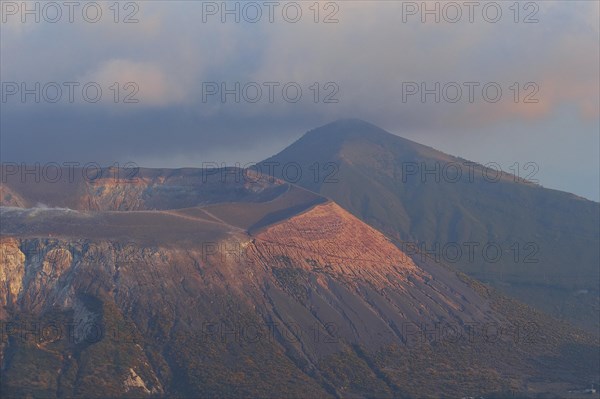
188, 283
460, 212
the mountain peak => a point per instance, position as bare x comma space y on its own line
349, 128
352, 137
351, 122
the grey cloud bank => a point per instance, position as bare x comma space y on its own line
362, 54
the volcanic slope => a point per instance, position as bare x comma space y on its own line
422, 198
241, 289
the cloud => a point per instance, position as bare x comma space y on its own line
141, 81
368, 54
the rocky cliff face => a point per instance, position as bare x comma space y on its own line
114, 189
11, 273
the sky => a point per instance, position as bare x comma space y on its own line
182, 83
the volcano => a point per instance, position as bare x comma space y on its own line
194, 283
